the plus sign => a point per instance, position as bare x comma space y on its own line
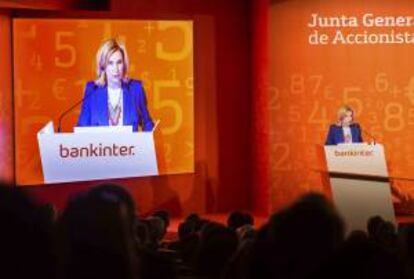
149, 27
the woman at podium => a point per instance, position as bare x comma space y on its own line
345, 130
113, 99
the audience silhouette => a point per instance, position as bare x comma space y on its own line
100, 235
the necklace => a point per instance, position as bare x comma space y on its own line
114, 112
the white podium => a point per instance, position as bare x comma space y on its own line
360, 184
96, 153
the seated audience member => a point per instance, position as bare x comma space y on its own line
216, 247
238, 219
373, 224
95, 237
361, 257
122, 195
165, 216
297, 240
156, 230
26, 245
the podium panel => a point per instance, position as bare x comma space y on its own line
68, 157
357, 158
359, 181
357, 200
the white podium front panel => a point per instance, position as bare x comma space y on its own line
362, 158
358, 200
363, 191
70, 157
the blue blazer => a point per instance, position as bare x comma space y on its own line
95, 106
336, 134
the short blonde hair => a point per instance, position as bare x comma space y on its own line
105, 51
342, 113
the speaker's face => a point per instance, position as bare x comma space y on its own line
347, 120
115, 68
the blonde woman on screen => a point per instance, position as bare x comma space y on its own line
113, 99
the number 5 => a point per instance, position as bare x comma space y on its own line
168, 103
60, 46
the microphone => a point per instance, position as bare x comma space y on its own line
69, 110
368, 134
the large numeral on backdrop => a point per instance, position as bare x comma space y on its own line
162, 103
160, 49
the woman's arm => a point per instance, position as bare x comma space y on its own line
147, 124
330, 139
360, 139
85, 115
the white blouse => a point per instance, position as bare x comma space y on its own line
347, 134
115, 98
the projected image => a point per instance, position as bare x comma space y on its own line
97, 99
320, 62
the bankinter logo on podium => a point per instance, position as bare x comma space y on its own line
354, 153
100, 150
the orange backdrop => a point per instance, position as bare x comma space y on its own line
54, 58
308, 83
